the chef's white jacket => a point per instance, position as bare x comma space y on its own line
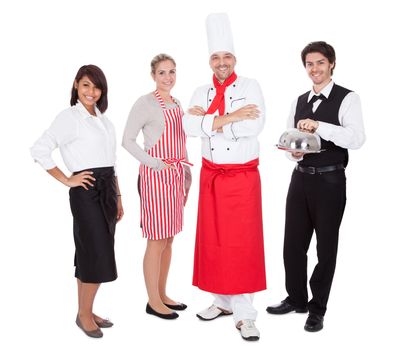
238, 142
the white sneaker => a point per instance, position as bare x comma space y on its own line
248, 330
212, 312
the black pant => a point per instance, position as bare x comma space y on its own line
314, 202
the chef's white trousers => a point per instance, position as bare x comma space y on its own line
241, 305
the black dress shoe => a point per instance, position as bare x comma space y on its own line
178, 306
284, 307
314, 323
170, 316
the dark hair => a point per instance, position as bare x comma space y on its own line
158, 59
322, 47
98, 78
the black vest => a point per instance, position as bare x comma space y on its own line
326, 112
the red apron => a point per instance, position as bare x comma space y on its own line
162, 192
229, 247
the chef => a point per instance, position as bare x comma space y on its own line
228, 115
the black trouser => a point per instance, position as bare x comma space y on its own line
314, 202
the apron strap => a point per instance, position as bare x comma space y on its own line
161, 100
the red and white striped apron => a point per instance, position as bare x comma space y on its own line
162, 192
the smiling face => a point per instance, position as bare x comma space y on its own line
222, 64
88, 93
318, 69
165, 76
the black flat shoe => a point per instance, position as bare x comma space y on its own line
314, 323
170, 316
178, 306
284, 308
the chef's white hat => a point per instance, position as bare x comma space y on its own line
218, 29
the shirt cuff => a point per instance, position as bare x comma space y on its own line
229, 133
207, 125
324, 130
46, 164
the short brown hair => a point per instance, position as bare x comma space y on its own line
322, 47
96, 75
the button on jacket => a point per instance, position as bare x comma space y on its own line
238, 142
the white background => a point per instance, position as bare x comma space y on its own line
43, 43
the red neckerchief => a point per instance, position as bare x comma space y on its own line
218, 102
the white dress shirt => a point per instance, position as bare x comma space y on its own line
238, 142
85, 141
349, 134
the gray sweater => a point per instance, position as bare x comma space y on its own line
147, 115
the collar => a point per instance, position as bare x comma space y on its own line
80, 107
325, 91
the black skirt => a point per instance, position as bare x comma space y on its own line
94, 219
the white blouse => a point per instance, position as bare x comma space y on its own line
85, 141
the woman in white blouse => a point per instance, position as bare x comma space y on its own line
86, 139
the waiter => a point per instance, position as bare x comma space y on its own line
228, 115
317, 192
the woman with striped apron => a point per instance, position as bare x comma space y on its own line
164, 180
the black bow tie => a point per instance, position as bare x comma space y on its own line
317, 97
